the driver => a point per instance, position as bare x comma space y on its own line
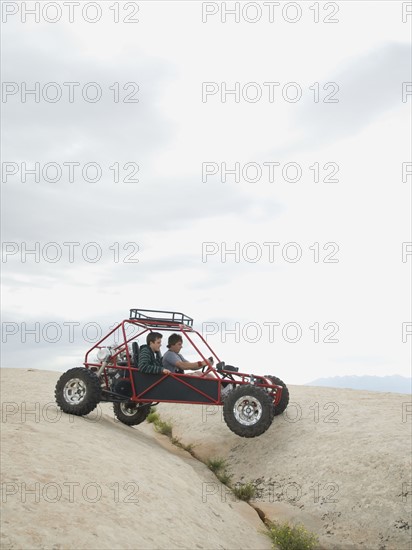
174, 361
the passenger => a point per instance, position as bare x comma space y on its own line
150, 358
174, 361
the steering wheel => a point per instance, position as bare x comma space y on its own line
211, 361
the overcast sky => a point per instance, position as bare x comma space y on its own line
315, 116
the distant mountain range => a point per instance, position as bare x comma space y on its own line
395, 383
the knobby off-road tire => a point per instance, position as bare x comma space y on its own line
131, 413
78, 391
248, 411
284, 400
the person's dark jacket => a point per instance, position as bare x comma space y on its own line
149, 362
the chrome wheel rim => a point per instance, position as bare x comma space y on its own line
128, 409
74, 391
247, 410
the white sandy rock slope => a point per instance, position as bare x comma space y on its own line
74, 483
338, 461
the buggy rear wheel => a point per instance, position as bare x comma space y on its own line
78, 391
284, 400
248, 411
131, 413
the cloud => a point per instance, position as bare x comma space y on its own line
106, 133
83, 130
370, 85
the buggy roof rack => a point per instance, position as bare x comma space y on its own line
159, 319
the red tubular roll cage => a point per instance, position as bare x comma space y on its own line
176, 322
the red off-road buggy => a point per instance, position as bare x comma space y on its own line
249, 401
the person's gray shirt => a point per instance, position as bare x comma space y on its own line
170, 358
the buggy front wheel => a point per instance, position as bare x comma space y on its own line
78, 391
248, 411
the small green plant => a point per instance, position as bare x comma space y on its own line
245, 492
216, 464
224, 477
160, 425
219, 468
163, 427
291, 537
153, 417
189, 447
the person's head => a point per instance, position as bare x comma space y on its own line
175, 343
154, 340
